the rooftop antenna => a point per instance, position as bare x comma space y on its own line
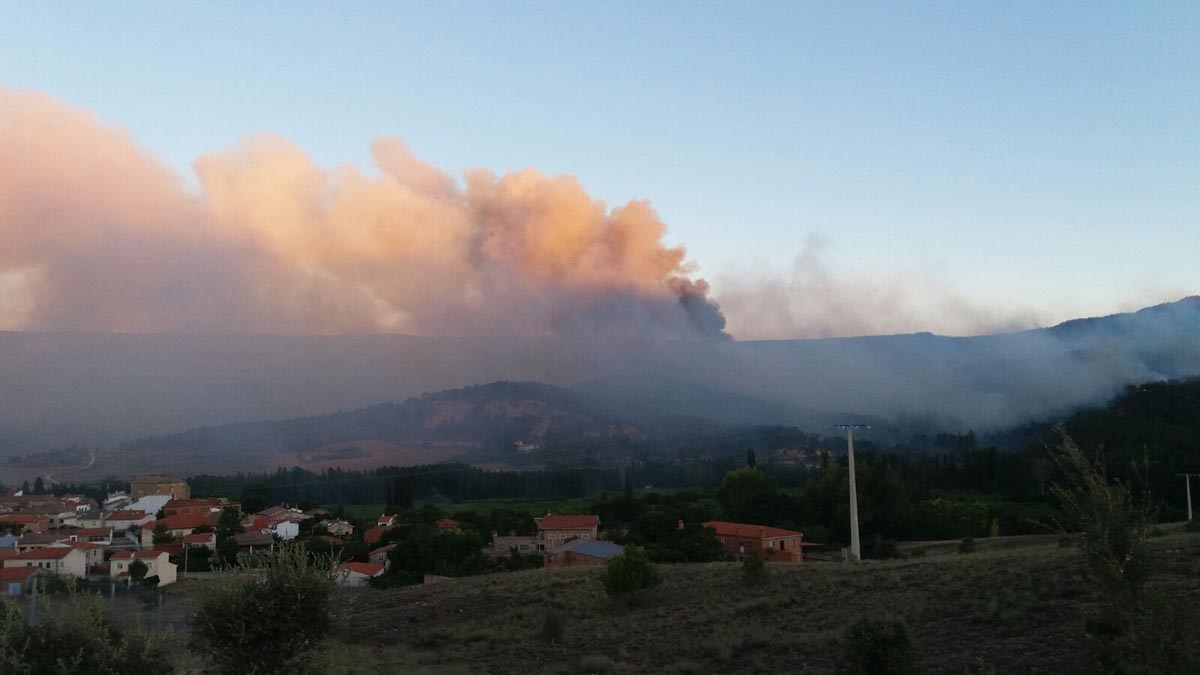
1187, 477
855, 545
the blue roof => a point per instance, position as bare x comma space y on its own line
596, 549
8, 541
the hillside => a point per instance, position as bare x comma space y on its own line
1002, 611
63, 389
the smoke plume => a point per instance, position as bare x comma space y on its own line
98, 236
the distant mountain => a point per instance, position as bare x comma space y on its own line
58, 390
491, 421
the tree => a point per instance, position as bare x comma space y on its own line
268, 617
749, 494
25, 487
162, 535
229, 523
628, 573
138, 570
39, 488
751, 460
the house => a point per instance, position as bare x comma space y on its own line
205, 539
372, 535
93, 554
211, 506
505, 545
283, 513
582, 553
95, 535
115, 501
554, 531
379, 556
385, 521
338, 528
769, 543
356, 574
91, 518
158, 564
26, 522
251, 543
447, 524
173, 548
151, 504
317, 513
8, 541
178, 526
52, 559
126, 520
16, 581
284, 529
29, 542
159, 485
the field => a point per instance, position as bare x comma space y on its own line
1017, 609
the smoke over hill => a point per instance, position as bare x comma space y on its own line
107, 388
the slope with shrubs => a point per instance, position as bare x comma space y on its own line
991, 611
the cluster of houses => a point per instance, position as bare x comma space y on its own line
155, 523
159, 522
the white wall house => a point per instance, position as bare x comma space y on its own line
54, 560
158, 564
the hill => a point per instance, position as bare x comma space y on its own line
103, 389
999, 611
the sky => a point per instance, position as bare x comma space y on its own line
954, 167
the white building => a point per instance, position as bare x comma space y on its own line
158, 564
356, 574
63, 560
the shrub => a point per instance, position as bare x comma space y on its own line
78, 640
967, 545
150, 581
629, 572
269, 616
878, 548
552, 627
754, 571
878, 648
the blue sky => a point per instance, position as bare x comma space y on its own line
1027, 155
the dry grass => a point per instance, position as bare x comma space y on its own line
1016, 610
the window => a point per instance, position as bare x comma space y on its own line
782, 545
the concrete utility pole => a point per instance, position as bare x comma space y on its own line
855, 545
1187, 477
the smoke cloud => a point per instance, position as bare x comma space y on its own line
811, 301
98, 236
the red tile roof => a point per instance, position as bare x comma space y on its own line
92, 532
201, 538
746, 531
446, 523
144, 555
183, 521
369, 569
170, 548
21, 518
373, 535
17, 573
47, 553
553, 522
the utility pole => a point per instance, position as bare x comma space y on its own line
855, 545
1187, 477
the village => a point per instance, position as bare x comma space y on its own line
157, 534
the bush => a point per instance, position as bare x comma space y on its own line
754, 571
878, 648
137, 570
269, 617
78, 640
150, 581
629, 572
967, 545
878, 548
552, 627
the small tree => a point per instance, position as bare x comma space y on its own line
878, 648
630, 572
754, 571
269, 616
162, 535
138, 570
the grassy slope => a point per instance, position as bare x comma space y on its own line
993, 611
